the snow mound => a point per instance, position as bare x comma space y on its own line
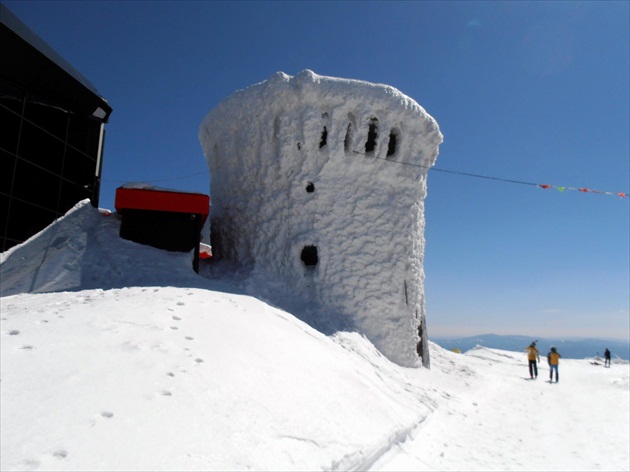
82, 250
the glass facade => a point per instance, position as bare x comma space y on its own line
49, 161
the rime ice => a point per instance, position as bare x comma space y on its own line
318, 184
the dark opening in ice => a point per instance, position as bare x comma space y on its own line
309, 256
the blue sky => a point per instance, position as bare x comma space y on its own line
528, 91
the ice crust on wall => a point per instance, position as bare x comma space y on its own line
338, 167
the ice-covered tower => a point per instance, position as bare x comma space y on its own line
319, 183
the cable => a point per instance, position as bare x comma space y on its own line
159, 180
511, 181
435, 169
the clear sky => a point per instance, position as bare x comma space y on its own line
534, 92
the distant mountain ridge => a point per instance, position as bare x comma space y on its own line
570, 348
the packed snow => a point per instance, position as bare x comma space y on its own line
117, 356
318, 184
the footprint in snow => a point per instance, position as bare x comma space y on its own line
176, 318
107, 414
60, 453
198, 360
180, 303
31, 464
170, 374
14, 332
189, 338
174, 327
27, 347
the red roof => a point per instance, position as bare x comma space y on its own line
162, 200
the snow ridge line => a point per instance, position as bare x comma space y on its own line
360, 460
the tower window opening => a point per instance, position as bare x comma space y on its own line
324, 137
370, 144
309, 256
393, 141
347, 142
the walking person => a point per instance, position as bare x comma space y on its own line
532, 356
606, 358
553, 359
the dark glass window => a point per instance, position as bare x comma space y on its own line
35, 185
11, 97
71, 194
4, 220
84, 134
25, 220
10, 130
39, 147
51, 118
7, 166
79, 168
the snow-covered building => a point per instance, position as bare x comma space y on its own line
318, 184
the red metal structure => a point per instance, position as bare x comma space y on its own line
165, 219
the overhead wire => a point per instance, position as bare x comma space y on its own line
511, 181
434, 169
159, 180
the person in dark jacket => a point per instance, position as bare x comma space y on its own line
553, 359
606, 358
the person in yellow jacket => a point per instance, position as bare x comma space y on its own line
532, 356
553, 359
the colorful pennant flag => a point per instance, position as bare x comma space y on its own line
584, 190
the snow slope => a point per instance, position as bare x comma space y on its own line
116, 356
